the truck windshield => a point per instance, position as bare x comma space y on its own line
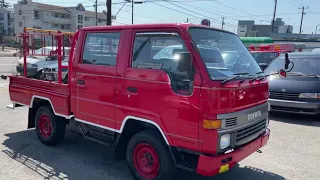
223, 54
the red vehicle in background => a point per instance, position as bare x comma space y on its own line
180, 108
264, 54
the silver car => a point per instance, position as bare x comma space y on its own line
35, 63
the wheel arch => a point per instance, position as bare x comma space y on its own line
36, 99
132, 125
147, 123
35, 103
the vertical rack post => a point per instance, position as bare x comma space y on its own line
59, 44
33, 45
25, 51
41, 42
63, 45
52, 39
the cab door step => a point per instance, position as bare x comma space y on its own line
187, 165
100, 136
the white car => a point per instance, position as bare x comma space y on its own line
36, 63
316, 50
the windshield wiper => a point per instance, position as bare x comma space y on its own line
258, 77
313, 75
303, 74
236, 75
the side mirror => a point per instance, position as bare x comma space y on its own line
184, 61
282, 73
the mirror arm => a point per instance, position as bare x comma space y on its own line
291, 67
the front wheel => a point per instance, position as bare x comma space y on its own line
50, 128
39, 75
149, 158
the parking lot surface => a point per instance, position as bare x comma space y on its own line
293, 152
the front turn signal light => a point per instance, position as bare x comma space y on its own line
211, 124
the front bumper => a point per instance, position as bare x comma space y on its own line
298, 107
31, 71
212, 165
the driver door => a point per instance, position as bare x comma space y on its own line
173, 105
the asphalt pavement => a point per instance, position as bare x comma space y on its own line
7, 64
293, 152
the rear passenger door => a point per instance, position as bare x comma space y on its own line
95, 79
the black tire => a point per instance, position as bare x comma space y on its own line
166, 170
57, 124
38, 75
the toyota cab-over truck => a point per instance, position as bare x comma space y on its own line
160, 94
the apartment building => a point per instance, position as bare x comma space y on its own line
6, 22
44, 16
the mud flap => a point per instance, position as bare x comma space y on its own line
13, 106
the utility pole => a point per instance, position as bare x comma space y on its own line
187, 20
302, 13
222, 23
274, 14
132, 11
96, 9
315, 32
109, 17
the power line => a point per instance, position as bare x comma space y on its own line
231, 17
266, 15
231, 7
149, 17
291, 3
195, 12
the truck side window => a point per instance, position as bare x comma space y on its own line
162, 51
101, 49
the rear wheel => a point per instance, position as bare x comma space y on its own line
50, 128
148, 157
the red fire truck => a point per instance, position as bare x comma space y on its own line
178, 108
264, 54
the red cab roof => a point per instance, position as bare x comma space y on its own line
148, 26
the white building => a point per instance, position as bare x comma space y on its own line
43, 16
6, 22
285, 29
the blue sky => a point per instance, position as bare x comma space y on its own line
159, 11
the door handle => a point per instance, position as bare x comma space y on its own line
81, 82
132, 89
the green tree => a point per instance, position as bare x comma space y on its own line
4, 4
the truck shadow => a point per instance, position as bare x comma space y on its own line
78, 158
299, 119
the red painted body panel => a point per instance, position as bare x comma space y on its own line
23, 89
105, 101
209, 166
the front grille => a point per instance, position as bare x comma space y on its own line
292, 109
249, 133
231, 122
284, 95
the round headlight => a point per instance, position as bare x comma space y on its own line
225, 141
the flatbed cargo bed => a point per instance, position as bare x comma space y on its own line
25, 91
